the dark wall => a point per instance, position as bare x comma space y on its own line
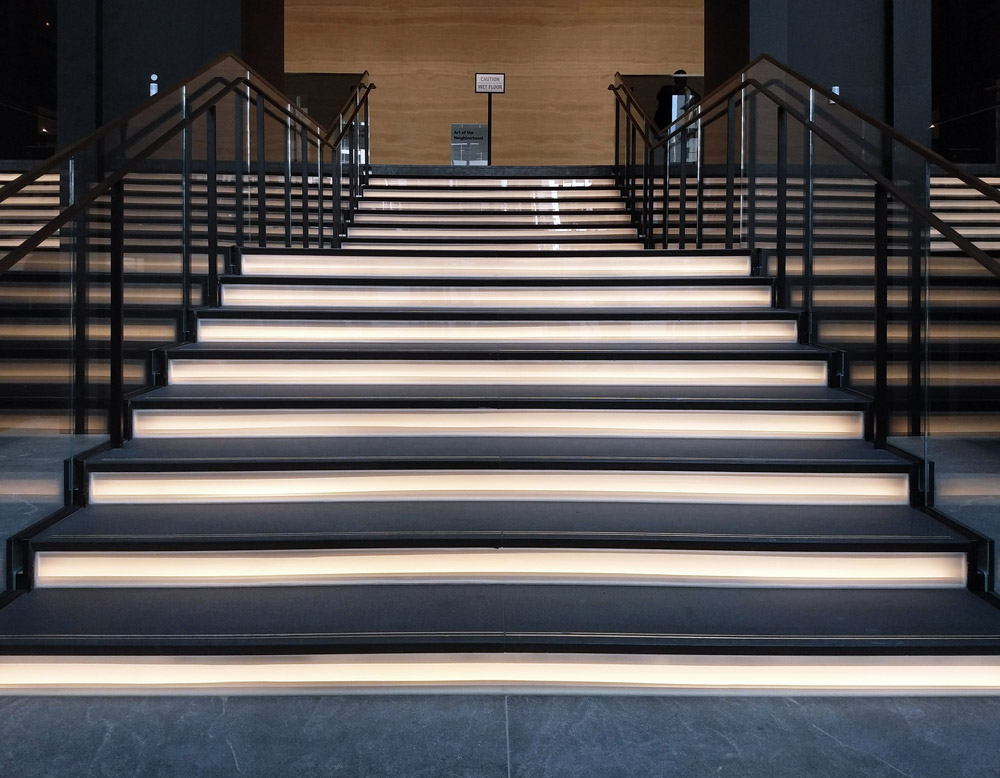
834, 43
966, 63
263, 38
171, 39
877, 51
28, 84
109, 48
727, 45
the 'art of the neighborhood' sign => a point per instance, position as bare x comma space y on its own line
489, 83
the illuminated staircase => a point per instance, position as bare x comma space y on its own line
491, 444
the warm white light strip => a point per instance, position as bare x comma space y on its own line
490, 232
491, 183
301, 330
528, 219
600, 566
263, 295
631, 486
292, 422
503, 674
470, 193
553, 245
494, 267
277, 372
369, 205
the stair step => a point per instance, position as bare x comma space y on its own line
544, 566
509, 617
436, 265
489, 182
303, 294
734, 397
762, 366
498, 524
495, 244
284, 422
275, 330
407, 231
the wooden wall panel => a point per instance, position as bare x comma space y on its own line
559, 57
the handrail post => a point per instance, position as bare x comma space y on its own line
368, 143
336, 205
666, 195
116, 389
682, 192
808, 227
238, 167
81, 307
700, 190
186, 221
751, 171
213, 208
355, 174
647, 213
304, 173
287, 175
730, 168
320, 196
881, 351
915, 315
618, 140
261, 174
782, 210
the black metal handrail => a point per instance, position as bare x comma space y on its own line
635, 174
310, 141
724, 96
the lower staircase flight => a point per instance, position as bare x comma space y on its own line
440, 459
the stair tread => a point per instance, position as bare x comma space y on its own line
312, 350
494, 617
487, 395
394, 313
494, 523
495, 451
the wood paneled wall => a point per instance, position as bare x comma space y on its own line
559, 57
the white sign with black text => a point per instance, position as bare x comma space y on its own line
489, 83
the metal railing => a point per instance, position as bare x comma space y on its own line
145, 207
835, 205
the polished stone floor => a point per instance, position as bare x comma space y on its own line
505, 737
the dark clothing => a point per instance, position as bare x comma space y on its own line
664, 108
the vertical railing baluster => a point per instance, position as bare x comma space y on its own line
618, 141
808, 226
213, 208
666, 194
238, 168
915, 317
781, 237
116, 387
320, 196
368, 143
751, 172
81, 305
261, 173
730, 169
700, 190
682, 191
881, 345
304, 172
287, 175
186, 247
336, 205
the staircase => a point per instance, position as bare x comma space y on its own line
489, 444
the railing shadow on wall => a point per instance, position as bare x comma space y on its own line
836, 206
109, 247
